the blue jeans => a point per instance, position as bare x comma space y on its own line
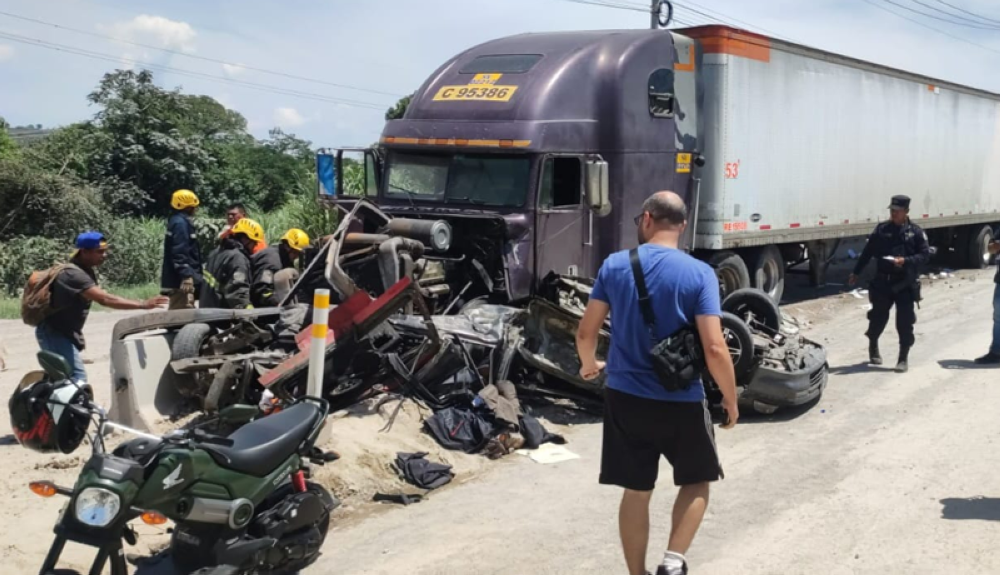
51, 340
995, 346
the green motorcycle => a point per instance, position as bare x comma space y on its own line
241, 504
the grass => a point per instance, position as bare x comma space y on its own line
10, 308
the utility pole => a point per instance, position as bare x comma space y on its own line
657, 19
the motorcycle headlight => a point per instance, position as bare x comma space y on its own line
97, 507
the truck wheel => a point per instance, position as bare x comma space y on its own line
752, 305
767, 271
731, 271
978, 255
187, 344
740, 343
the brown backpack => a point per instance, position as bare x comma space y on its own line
36, 302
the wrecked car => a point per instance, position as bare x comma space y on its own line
402, 324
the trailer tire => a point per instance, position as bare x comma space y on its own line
767, 271
753, 303
978, 256
187, 344
739, 340
731, 271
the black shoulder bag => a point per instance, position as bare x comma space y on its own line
677, 360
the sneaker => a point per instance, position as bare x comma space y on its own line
989, 359
662, 570
902, 367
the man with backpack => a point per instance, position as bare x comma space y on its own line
652, 293
62, 299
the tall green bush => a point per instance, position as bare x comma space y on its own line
19, 256
136, 253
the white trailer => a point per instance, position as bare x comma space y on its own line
804, 146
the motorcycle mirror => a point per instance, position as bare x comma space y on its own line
238, 413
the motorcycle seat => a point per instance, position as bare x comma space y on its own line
260, 446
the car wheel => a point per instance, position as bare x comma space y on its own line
739, 340
188, 343
754, 307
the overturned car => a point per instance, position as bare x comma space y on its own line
415, 315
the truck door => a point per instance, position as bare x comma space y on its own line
564, 224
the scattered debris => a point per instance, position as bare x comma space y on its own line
400, 498
418, 471
549, 454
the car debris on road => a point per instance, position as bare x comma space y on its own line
415, 320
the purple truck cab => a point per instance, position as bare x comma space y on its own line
539, 150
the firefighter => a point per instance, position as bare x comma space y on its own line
234, 213
180, 276
900, 248
274, 271
227, 273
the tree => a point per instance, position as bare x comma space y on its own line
207, 117
151, 138
263, 174
8, 148
396, 112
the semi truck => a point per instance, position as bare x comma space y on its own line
539, 150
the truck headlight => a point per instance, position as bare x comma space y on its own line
97, 507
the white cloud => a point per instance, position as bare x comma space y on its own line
233, 70
6, 52
288, 118
157, 30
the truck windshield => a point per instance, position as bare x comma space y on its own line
483, 179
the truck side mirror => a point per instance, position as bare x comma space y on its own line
348, 173
598, 195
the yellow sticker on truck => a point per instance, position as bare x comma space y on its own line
482, 88
683, 163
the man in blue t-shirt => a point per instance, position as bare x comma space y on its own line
642, 420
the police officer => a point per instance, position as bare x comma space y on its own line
900, 248
274, 270
228, 272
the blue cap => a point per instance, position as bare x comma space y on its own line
89, 240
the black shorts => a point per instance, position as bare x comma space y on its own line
637, 431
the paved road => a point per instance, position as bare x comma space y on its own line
888, 474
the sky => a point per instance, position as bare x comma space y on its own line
326, 70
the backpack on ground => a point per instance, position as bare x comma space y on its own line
36, 301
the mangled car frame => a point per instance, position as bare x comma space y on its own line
417, 313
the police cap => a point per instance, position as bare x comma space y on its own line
901, 202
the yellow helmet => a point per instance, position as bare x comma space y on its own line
297, 239
183, 199
249, 228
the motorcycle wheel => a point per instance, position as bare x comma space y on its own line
323, 526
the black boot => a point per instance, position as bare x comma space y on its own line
874, 357
901, 365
